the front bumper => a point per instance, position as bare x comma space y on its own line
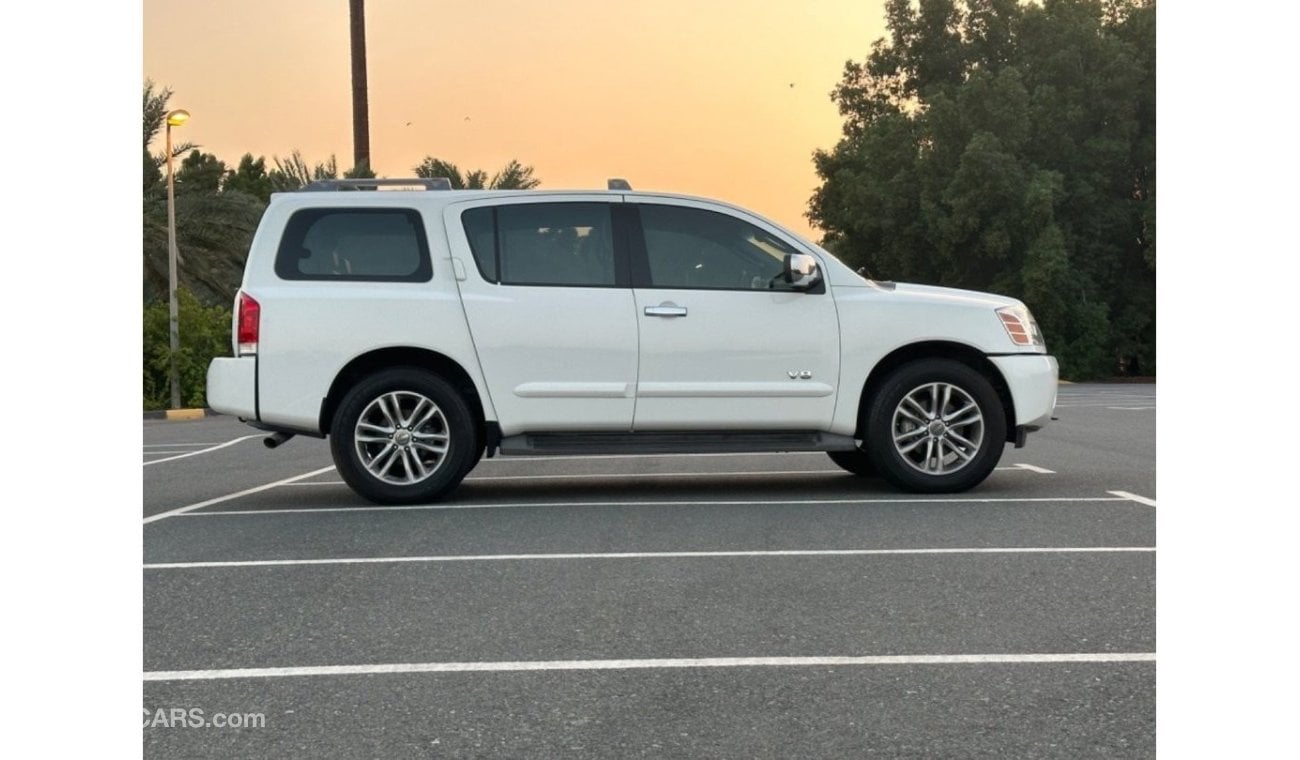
1032, 380
232, 386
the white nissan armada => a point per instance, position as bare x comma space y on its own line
422, 329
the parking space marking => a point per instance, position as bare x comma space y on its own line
184, 445
650, 555
647, 664
1134, 497
676, 503
189, 508
1032, 468
204, 451
1130, 408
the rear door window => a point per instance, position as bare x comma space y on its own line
565, 244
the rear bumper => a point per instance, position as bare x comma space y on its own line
1032, 380
232, 386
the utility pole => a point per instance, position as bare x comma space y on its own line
360, 100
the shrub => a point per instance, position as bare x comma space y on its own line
204, 333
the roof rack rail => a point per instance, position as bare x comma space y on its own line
619, 184
436, 183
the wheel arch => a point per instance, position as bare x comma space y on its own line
403, 356
935, 349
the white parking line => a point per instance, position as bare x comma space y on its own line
647, 555
203, 451
531, 505
1131, 408
1034, 468
1134, 497
646, 664
187, 509
183, 445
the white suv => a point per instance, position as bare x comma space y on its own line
422, 329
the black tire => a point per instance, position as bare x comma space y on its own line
949, 456
856, 461
479, 450
407, 468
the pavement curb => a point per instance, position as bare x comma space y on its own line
179, 414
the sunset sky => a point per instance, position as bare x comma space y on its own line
722, 98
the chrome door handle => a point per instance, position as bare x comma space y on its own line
665, 310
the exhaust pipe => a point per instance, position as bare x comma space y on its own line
275, 439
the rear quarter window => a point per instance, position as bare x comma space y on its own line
354, 244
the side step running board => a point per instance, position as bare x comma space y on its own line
535, 444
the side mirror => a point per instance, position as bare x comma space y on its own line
801, 271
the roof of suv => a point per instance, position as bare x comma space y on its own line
344, 197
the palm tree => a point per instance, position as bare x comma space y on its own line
294, 172
213, 228
514, 176
155, 112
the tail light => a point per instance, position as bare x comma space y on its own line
246, 328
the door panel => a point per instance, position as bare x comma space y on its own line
727, 363
725, 344
555, 356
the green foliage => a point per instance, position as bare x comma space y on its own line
204, 334
155, 110
250, 178
213, 227
217, 213
360, 171
513, 176
293, 172
213, 232
153, 177
155, 114
999, 146
200, 172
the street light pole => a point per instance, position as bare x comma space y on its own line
174, 119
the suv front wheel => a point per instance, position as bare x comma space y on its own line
936, 426
403, 436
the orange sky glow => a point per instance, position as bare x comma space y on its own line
674, 95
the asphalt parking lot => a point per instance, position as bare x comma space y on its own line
661, 606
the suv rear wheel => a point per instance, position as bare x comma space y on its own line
403, 436
935, 426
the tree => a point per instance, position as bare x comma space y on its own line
513, 176
213, 228
293, 172
205, 333
200, 172
993, 145
250, 178
155, 115
213, 232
